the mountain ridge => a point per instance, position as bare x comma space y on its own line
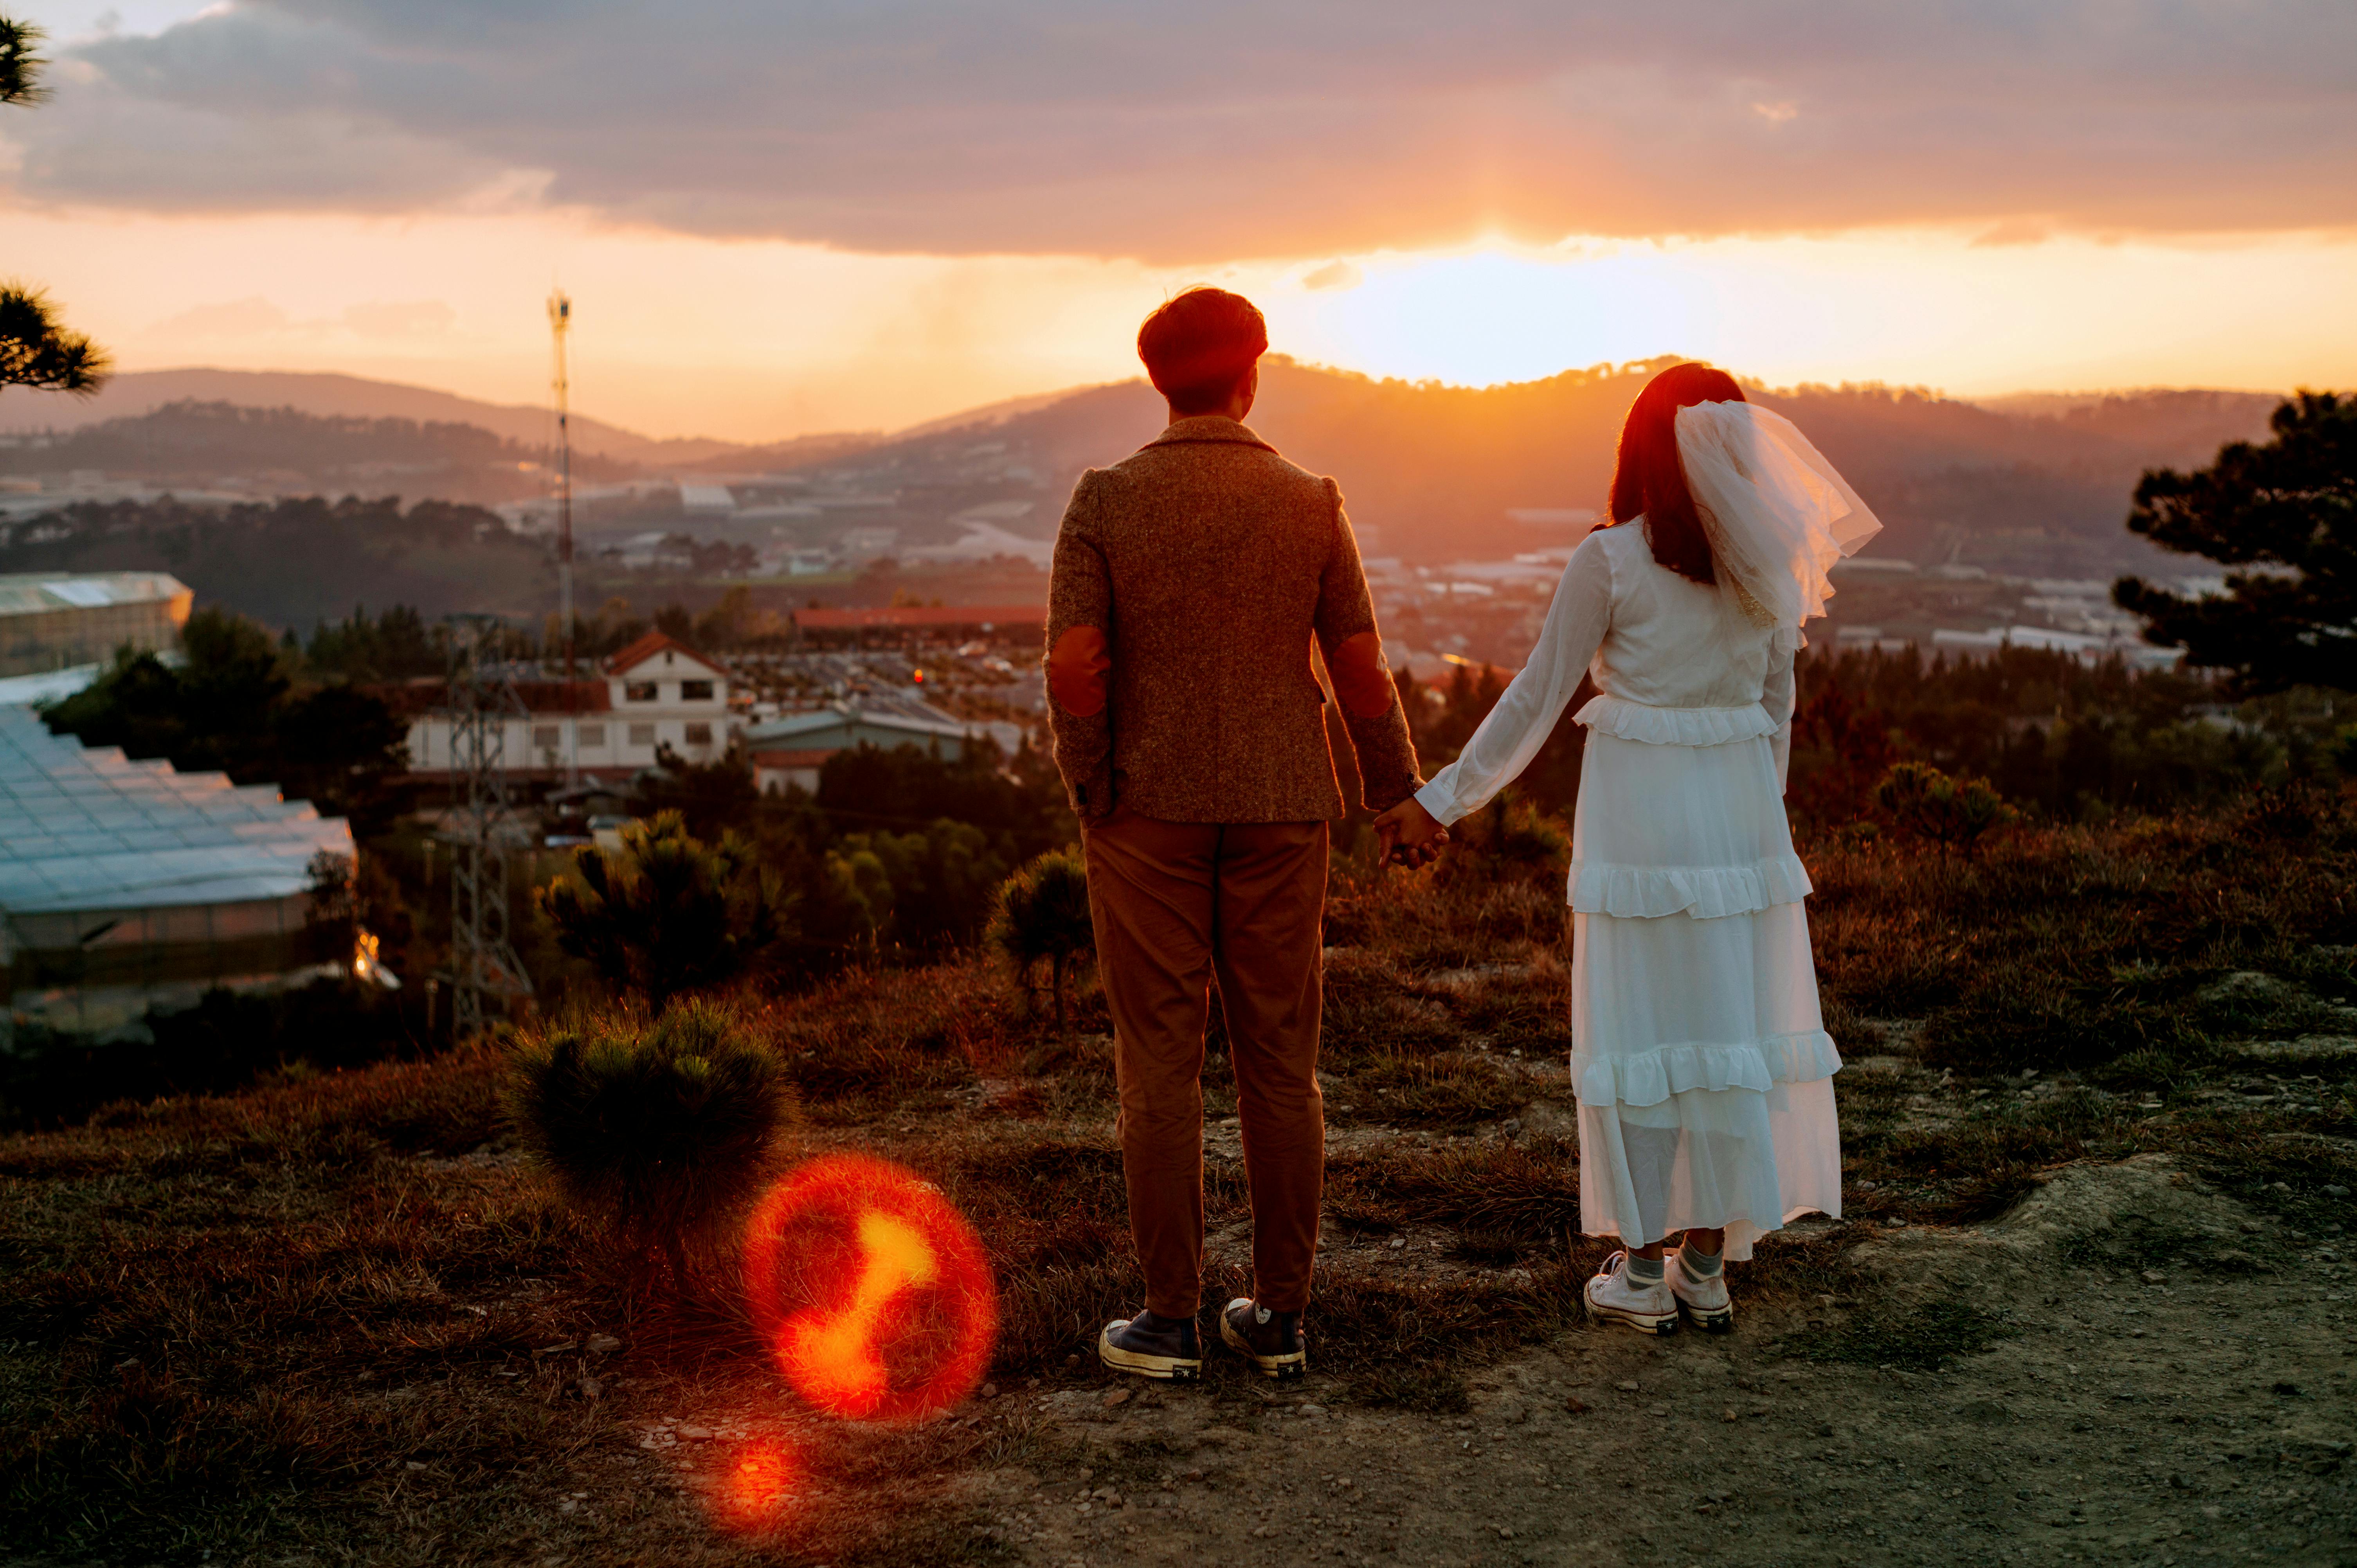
336, 394
333, 394
1433, 472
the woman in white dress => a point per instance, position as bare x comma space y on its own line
1704, 1072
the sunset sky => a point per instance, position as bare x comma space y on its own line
799, 216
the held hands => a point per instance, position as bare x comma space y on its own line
1411, 836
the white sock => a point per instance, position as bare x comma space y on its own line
1644, 1273
1698, 1264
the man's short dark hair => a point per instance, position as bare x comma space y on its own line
1199, 345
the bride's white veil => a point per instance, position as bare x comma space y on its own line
1777, 514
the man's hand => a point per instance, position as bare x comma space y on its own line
1411, 836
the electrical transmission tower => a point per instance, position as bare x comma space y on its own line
484, 973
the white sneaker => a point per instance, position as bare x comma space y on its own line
1704, 1302
1613, 1297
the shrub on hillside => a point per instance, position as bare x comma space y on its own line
1510, 838
234, 704
1042, 917
670, 914
223, 1043
863, 789
662, 1133
2342, 751
1954, 814
924, 890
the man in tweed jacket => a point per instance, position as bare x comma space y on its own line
1198, 585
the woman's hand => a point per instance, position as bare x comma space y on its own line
1411, 835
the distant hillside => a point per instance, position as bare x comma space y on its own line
296, 563
2034, 487
988, 413
219, 445
1435, 469
784, 457
137, 392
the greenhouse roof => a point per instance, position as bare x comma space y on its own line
84, 828
31, 593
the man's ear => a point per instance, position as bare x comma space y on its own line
1249, 390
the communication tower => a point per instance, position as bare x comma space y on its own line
484, 973
560, 317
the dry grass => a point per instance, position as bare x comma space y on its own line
241, 1320
2089, 948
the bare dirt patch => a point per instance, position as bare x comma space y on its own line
2158, 1385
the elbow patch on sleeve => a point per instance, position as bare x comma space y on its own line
1076, 672
1360, 679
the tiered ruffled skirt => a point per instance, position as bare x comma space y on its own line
1704, 1071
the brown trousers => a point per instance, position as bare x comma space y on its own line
1173, 904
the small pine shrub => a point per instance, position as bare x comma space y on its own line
1924, 803
1510, 839
663, 1132
2342, 751
1042, 917
2287, 813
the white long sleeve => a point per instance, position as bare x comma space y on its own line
1777, 697
1526, 715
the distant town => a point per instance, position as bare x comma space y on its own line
752, 618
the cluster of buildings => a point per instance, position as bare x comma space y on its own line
1477, 612
659, 698
656, 695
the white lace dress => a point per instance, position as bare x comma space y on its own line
1704, 1071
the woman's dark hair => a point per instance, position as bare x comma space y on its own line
1647, 477
1199, 345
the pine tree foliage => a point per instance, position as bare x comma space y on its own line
1043, 917
670, 914
1954, 813
2284, 512
21, 62
1510, 839
36, 350
234, 703
664, 1134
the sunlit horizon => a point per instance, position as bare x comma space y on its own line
772, 228
756, 340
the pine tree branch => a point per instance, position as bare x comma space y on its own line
36, 350
21, 63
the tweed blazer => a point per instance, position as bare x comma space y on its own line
1194, 583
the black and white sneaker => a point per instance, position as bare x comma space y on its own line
1270, 1340
1151, 1347
1702, 1301
1613, 1297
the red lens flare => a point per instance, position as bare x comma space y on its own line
871, 1291
752, 1493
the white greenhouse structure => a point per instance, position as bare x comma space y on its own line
127, 886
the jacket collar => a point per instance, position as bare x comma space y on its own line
1207, 427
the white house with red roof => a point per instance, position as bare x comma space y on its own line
656, 692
